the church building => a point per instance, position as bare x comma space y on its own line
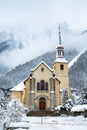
44, 87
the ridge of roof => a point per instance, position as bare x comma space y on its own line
42, 62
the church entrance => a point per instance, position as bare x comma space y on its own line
42, 103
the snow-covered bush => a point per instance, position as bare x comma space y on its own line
64, 96
68, 105
83, 93
64, 108
79, 108
16, 110
11, 112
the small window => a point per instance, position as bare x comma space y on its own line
38, 86
61, 67
42, 69
46, 86
30, 74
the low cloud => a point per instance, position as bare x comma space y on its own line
40, 43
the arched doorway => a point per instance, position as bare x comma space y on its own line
42, 103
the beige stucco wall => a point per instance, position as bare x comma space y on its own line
42, 76
46, 75
27, 90
62, 75
57, 92
17, 94
56, 67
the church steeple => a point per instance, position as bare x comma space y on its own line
60, 48
59, 35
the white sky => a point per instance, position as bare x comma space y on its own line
37, 17
40, 14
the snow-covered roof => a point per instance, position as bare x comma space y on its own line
61, 60
75, 59
59, 45
79, 108
42, 62
18, 87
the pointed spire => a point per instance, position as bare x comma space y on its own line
59, 35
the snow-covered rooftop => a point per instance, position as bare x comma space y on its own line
19, 87
59, 45
61, 60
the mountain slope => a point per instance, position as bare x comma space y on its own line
22, 71
78, 72
75, 59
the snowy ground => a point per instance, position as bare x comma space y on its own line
58, 123
55, 123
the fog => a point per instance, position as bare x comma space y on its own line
35, 23
36, 44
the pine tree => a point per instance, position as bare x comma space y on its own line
64, 96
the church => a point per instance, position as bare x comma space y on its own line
44, 87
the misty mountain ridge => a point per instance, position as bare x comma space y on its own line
77, 72
22, 46
10, 40
17, 50
21, 72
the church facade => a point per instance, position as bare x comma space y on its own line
43, 89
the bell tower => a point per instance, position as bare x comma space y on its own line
60, 66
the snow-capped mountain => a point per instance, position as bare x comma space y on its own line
17, 48
21, 72
10, 40
12, 44
78, 71
72, 62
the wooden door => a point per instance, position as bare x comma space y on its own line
42, 105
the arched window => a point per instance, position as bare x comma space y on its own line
46, 86
38, 86
61, 67
42, 82
42, 86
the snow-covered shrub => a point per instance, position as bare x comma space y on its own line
64, 96
11, 112
16, 110
65, 108
83, 93
68, 105
79, 108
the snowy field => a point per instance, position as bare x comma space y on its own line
57, 123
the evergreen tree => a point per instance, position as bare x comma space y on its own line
64, 96
83, 95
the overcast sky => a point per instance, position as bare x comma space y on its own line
40, 14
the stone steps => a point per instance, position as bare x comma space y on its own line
41, 113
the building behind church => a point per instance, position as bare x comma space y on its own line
44, 87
